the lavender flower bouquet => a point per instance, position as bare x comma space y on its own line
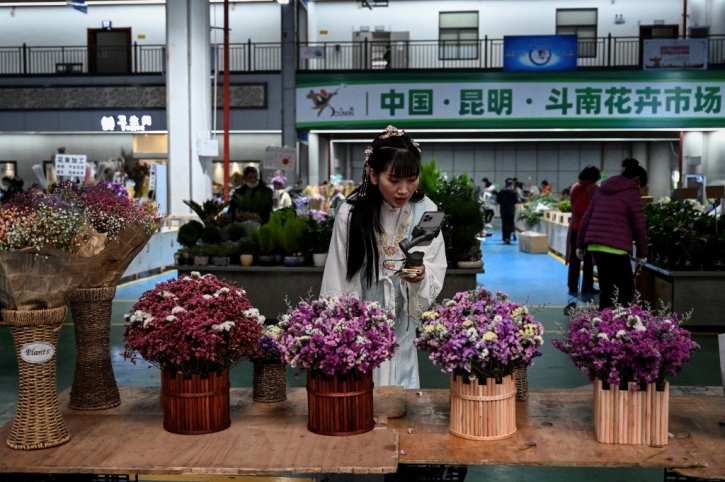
480, 335
627, 344
337, 336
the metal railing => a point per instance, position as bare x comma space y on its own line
484, 54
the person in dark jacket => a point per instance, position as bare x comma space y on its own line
506, 200
613, 220
252, 184
579, 196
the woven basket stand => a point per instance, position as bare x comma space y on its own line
38, 422
94, 384
269, 384
521, 378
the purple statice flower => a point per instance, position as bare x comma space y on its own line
479, 334
627, 344
337, 335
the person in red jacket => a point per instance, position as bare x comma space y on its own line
579, 196
612, 222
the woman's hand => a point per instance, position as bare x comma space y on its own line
417, 278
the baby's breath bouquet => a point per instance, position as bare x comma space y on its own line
45, 246
127, 223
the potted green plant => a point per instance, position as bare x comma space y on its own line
188, 236
270, 247
318, 235
247, 247
200, 254
464, 218
222, 253
291, 238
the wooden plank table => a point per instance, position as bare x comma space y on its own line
272, 439
560, 423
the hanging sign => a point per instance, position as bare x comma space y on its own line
280, 158
37, 352
70, 165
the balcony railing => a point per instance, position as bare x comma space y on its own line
484, 54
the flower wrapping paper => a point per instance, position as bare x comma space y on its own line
107, 266
38, 279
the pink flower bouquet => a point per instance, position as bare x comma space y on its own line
337, 335
193, 325
479, 334
627, 344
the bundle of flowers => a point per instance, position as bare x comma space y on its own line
319, 233
267, 349
128, 224
627, 344
192, 325
337, 335
109, 207
480, 335
46, 244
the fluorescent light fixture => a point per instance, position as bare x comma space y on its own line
283, 2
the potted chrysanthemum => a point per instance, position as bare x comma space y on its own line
194, 328
339, 341
628, 352
481, 339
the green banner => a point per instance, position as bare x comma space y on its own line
467, 100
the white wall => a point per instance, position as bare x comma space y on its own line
496, 18
714, 159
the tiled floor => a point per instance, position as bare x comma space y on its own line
539, 279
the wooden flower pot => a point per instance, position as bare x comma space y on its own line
195, 405
340, 404
636, 417
483, 410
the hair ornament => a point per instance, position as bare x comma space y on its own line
368, 153
392, 131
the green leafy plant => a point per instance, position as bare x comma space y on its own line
291, 235
211, 234
565, 206
189, 233
251, 204
464, 219
247, 245
268, 236
210, 211
236, 231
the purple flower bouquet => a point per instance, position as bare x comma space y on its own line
337, 336
480, 335
627, 344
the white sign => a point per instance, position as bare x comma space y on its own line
675, 54
280, 158
312, 53
70, 165
152, 177
125, 123
37, 352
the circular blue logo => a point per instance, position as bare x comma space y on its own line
540, 55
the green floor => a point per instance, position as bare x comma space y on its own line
539, 278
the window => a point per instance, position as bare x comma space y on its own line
581, 22
458, 35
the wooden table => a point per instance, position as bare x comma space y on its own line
272, 439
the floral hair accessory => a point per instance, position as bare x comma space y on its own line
279, 179
392, 131
368, 153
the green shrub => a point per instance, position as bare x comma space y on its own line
236, 231
212, 235
189, 233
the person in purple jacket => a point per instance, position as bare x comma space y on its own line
613, 220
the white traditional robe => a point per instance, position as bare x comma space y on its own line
407, 300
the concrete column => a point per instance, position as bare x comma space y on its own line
660, 169
188, 102
692, 149
289, 69
313, 163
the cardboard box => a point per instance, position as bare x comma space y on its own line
536, 243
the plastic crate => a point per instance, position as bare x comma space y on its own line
428, 473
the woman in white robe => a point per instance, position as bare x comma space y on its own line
363, 259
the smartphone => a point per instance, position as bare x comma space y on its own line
430, 221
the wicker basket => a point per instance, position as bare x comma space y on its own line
38, 422
340, 404
483, 410
521, 378
94, 384
269, 384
